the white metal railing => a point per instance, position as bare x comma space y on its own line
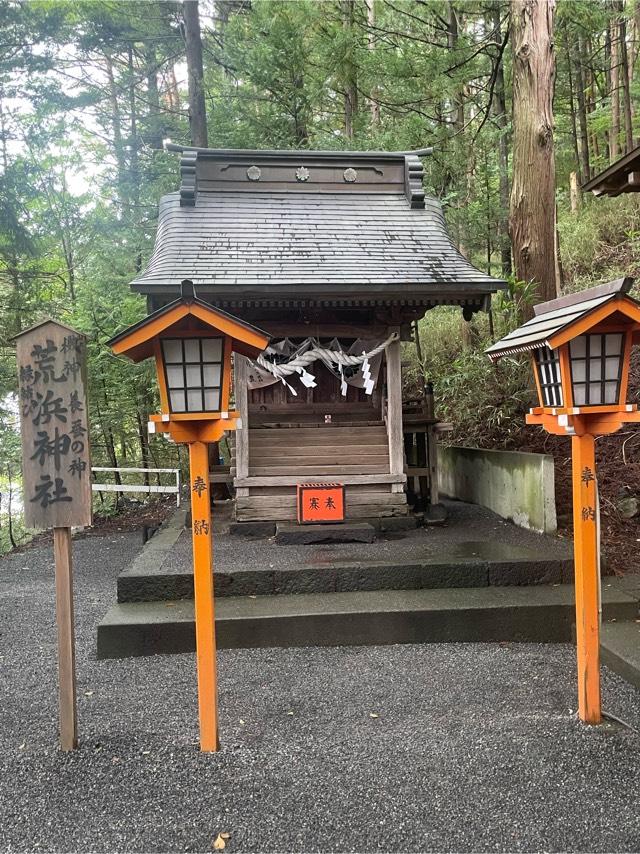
138, 487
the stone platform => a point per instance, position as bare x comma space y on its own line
475, 578
475, 549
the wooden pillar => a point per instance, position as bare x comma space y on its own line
432, 454
203, 594
410, 457
394, 408
66, 641
421, 462
587, 581
431, 439
242, 433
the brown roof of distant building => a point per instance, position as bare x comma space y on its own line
623, 176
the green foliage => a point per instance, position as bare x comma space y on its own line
601, 241
88, 91
485, 403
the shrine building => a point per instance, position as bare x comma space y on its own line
334, 254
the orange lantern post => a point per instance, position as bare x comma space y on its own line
580, 348
192, 343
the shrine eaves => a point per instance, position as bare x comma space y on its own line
255, 229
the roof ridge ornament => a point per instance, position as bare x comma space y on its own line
413, 175
413, 169
188, 187
187, 290
288, 152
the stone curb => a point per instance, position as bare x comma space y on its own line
146, 583
156, 550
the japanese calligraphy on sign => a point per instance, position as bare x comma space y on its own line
56, 465
320, 502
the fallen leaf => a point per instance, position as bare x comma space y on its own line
241, 722
225, 835
219, 843
23, 745
88, 693
373, 715
289, 713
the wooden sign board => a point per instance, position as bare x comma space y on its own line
56, 468
320, 502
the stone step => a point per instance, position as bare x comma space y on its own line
534, 614
620, 648
150, 581
292, 534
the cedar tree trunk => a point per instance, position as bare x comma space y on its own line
193, 41
500, 111
532, 207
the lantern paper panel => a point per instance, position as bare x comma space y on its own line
548, 367
596, 368
193, 369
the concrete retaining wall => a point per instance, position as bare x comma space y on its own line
515, 485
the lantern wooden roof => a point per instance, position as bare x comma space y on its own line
623, 176
187, 314
557, 321
295, 228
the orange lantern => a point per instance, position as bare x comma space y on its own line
192, 343
580, 348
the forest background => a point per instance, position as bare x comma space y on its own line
521, 100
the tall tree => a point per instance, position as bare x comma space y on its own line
500, 112
371, 45
350, 69
532, 208
625, 91
193, 43
583, 147
614, 86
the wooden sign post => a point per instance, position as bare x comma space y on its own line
587, 571
56, 472
202, 537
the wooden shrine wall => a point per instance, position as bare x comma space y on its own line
315, 403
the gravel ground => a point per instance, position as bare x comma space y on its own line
407, 748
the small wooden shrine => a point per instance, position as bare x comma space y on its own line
334, 254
